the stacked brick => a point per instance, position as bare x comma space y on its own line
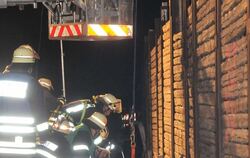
190, 81
206, 73
234, 78
179, 101
167, 91
153, 93
160, 95
167, 84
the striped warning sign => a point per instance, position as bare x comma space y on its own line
66, 30
110, 30
89, 31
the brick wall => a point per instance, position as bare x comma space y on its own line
153, 94
190, 81
167, 91
160, 94
168, 86
179, 102
234, 78
206, 73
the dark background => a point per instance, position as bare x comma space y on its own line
90, 67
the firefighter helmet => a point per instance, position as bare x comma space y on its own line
25, 54
111, 101
46, 83
99, 119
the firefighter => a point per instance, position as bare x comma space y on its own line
20, 73
91, 126
20, 102
84, 123
51, 138
22, 108
50, 100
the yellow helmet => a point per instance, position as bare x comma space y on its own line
99, 119
111, 101
25, 54
46, 83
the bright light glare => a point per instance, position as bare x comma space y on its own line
16, 129
18, 139
17, 120
74, 109
17, 151
119, 32
110, 147
42, 127
45, 153
81, 147
50, 145
98, 140
13, 89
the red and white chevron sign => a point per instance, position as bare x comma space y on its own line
65, 30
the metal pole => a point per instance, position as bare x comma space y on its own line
135, 49
62, 59
132, 135
63, 71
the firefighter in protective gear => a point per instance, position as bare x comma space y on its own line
90, 124
19, 75
21, 104
51, 137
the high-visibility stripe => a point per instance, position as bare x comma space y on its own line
61, 31
26, 152
16, 129
118, 30
53, 31
58, 28
77, 30
13, 89
70, 30
99, 31
91, 32
109, 30
17, 145
80, 147
17, 120
128, 29
73, 30
24, 57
